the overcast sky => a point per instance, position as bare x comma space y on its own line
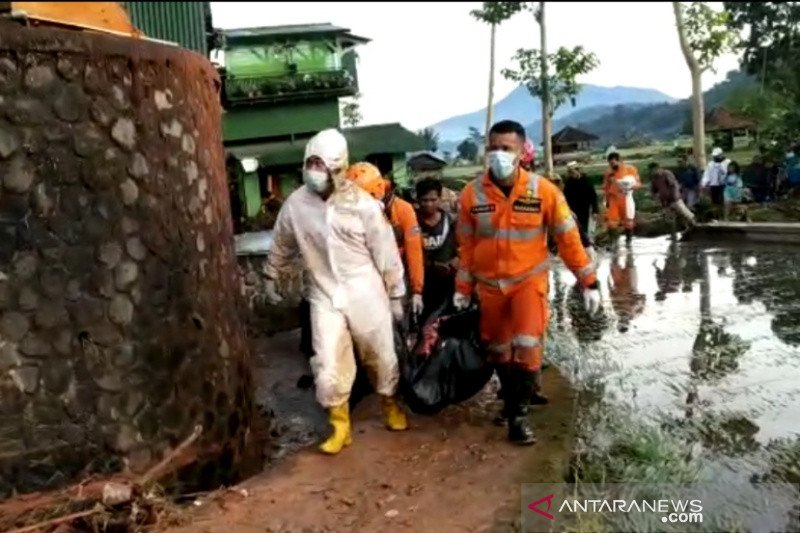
429, 61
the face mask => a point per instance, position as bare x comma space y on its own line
502, 165
316, 180
614, 166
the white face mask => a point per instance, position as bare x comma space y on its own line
502, 165
316, 180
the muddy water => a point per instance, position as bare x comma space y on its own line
702, 341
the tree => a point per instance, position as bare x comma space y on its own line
351, 112
553, 89
476, 136
467, 150
771, 49
494, 13
430, 138
704, 35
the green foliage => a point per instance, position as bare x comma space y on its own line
562, 83
771, 43
476, 136
430, 138
708, 33
351, 112
761, 105
771, 48
497, 12
467, 150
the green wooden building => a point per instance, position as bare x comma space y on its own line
280, 86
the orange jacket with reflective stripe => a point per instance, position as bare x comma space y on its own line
610, 178
503, 240
409, 241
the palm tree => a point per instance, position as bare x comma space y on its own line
430, 138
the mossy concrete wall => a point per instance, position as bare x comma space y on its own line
120, 307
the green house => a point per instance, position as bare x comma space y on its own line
281, 85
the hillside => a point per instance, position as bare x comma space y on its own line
657, 121
519, 104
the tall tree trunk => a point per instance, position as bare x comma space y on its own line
490, 105
698, 108
547, 126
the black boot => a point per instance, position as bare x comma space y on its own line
537, 398
628, 236
516, 399
502, 374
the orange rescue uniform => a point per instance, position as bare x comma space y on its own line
503, 254
409, 240
615, 196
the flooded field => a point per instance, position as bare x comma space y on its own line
694, 364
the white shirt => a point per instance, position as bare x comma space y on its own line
715, 173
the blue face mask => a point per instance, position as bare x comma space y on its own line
502, 164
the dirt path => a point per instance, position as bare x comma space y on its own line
451, 472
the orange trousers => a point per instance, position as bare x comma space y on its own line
615, 214
513, 324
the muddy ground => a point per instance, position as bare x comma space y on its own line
450, 472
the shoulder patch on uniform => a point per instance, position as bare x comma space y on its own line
483, 208
527, 204
563, 211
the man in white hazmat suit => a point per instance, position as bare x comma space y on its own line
355, 282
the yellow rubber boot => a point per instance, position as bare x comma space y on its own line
339, 418
393, 415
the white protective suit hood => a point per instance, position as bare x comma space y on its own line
330, 146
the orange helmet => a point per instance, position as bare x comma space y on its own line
368, 177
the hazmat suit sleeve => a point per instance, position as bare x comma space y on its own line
383, 248
465, 235
562, 225
284, 247
412, 240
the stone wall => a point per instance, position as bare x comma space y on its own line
263, 317
120, 309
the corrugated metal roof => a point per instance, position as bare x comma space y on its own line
183, 23
262, 32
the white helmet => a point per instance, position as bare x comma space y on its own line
330, 146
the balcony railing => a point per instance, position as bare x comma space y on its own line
300, 85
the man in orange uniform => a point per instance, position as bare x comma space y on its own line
504, 218
619, 182
403, 219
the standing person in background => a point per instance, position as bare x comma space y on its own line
791, 164
688, 176
581, 196
619, 182
404, 223
503, 222
439, 245
714, 176
733, 192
